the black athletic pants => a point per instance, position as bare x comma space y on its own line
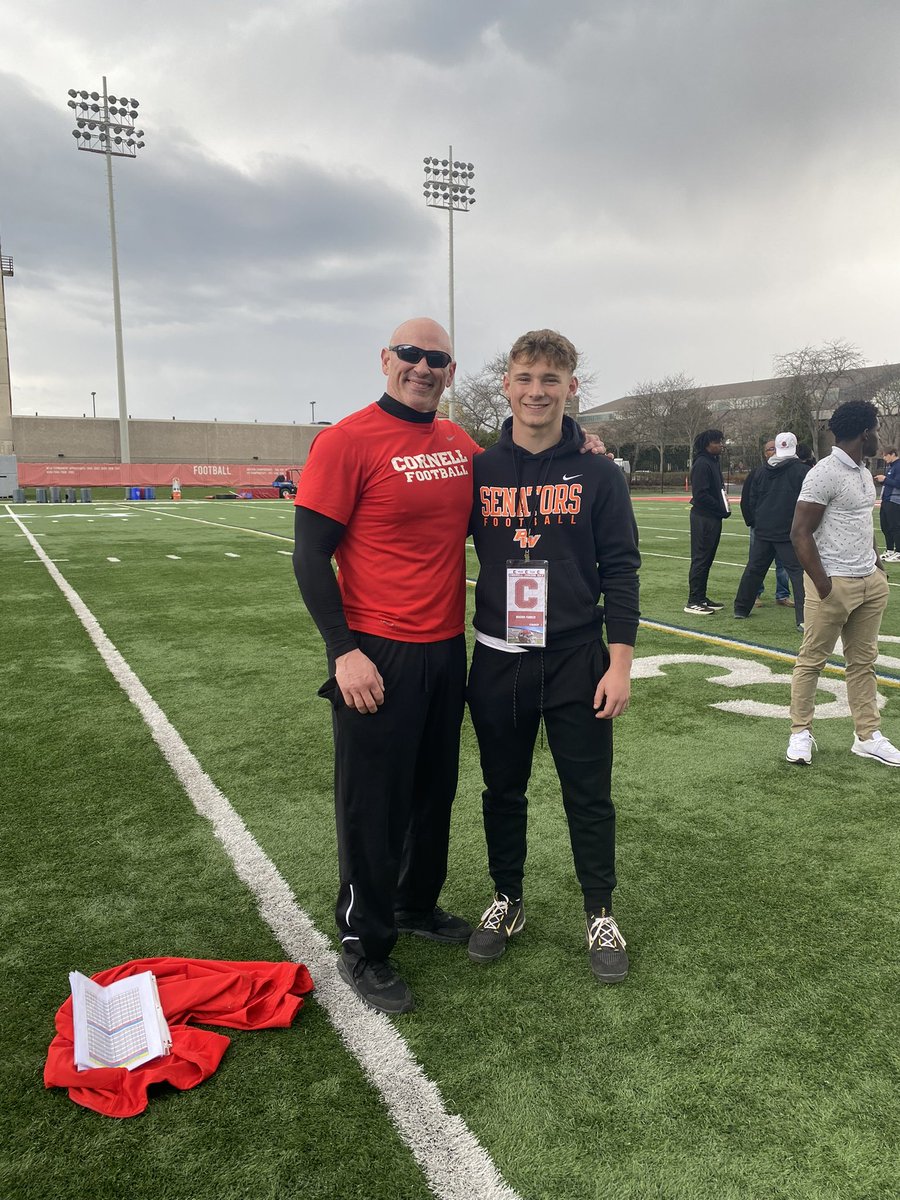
507, 695
395, 777
705, 534
762, 553
889, 519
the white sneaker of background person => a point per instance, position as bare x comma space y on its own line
877, 747
800, 747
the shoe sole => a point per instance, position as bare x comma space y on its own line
488, 958
874, 757
611, 978
707, 612
444, 938
799, 762
387, 1009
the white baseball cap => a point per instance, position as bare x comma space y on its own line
785, 446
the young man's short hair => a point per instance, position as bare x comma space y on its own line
544, 343
850, 420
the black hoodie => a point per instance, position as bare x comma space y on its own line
708, 486
580, 514
773, 497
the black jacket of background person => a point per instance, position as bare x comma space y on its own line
707, 486
773, 497
585, 529
745, 493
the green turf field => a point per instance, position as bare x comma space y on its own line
752, 1052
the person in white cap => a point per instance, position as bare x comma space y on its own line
770, 510
847, 587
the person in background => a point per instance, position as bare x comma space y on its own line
709, 508
770, 509
782, 584
889, 514
847, 587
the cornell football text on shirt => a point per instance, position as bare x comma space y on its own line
404, 492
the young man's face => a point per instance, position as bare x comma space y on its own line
537, 393
714, 448
870, 442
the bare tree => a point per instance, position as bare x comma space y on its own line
749, 428
887, 401
819, 369
793, 412
649, 413
689, 412
481, 407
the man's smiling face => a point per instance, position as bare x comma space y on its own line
417, 385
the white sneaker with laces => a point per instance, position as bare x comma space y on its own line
878, 747
699, 610
800, 747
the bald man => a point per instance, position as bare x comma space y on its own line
388, 493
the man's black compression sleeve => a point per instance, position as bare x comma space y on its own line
316, 538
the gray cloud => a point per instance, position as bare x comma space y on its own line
679, 184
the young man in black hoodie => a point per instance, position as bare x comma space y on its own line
554, 530
709, 508
770, 509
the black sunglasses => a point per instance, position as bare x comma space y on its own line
436, 359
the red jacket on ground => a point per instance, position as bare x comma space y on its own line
238, 995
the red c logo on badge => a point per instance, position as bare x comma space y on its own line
526, 593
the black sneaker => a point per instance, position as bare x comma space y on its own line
500, 921
376, 983
713, 604
437, 925
609, 962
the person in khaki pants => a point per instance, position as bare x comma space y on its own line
846, 585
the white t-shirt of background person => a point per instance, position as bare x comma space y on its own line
844, 537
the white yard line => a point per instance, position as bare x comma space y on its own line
454, 1163
280, 537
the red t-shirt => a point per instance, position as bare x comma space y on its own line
404, 491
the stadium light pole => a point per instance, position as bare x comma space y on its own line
94, 402
448, 186
105, 125
7, 446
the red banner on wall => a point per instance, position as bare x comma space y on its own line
71, 474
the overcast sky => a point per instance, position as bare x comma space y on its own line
677, 185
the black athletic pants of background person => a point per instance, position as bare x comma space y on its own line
889, 519
761, 556
706, 531
508, 694
395, 775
